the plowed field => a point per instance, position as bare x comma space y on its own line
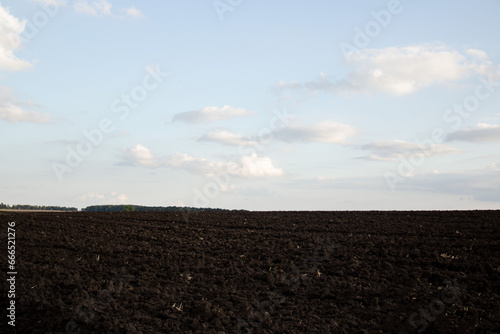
255, 272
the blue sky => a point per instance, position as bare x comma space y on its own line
281, 105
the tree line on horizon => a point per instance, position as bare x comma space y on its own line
35, 207
110, 208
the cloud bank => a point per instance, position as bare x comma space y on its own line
400, 70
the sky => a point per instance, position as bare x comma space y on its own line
257, 105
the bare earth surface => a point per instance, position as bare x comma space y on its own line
255, 272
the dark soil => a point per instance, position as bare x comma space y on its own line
255, 272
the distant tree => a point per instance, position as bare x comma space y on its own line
128, 208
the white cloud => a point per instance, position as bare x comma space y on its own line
58, 3
133, 13
323, 132
405, 70
142, 156
401, 70
11, 29
247, 166
121, 198
393, 150
195, 165
101, 7
85, 8
13, 111
481, 133
228, 138
14, 114
91, 196
211, 114
99, 198
255, 166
